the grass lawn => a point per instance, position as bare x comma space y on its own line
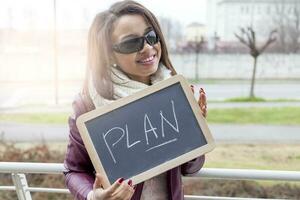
255, 156
241, 156
41, 118
284, 157
275, 116
258, 99
238, 156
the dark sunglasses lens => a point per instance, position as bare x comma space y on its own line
136, 44
132, 45
151, 38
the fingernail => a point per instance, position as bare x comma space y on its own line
130, 182
202, 90
121, 180
192, 87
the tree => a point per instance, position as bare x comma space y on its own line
172, 31
286, 19
294, 28
248, 38
198, 46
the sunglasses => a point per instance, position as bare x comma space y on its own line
136, 44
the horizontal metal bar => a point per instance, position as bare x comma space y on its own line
49, 190
7, 188
248, 174
32, 168
38, 189
211, 173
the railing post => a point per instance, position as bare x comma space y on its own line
21, 185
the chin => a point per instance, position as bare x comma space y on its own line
152, 70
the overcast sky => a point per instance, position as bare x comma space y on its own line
186, 11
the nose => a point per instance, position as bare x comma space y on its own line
146, 47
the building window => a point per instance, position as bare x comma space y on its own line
258, 10
268, 10
246, 9
291, 9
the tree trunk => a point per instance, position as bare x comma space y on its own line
253, 78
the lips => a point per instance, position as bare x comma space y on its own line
147, 59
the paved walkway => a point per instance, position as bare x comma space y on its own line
223, 133
253, 104
230, 133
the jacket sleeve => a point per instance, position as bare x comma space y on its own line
192, 166
79, 176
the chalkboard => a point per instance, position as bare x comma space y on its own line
145, 134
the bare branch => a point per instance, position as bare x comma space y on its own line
270, 40
250, 39
253, 38
241, 39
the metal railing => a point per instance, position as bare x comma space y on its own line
19, 169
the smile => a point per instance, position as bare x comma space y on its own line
147, 60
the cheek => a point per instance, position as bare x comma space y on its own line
125, 61
158, 48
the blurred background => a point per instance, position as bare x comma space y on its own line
245, 54
43, 46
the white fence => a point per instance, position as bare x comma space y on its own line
38, 66
238, 66
19, 169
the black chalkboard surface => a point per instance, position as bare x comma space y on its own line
147, 133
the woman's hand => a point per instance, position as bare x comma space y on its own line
119, 190
201, 101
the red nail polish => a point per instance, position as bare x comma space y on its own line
192, 87
121, 180
202, 90
130, 182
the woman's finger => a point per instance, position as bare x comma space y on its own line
125, 191
192, 88
98, 181
202, 102
204, 112
202, 98
112, 189
97, 186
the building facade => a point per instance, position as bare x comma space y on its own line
226, 17
195, 32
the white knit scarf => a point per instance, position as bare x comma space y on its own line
124, 86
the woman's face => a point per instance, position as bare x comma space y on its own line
138, 65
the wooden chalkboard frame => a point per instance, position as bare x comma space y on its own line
95, 158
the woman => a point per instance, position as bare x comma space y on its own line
126, 53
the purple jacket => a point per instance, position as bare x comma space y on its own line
80, 174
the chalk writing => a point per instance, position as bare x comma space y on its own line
167, 142
147, 120
149, 131
164, 119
